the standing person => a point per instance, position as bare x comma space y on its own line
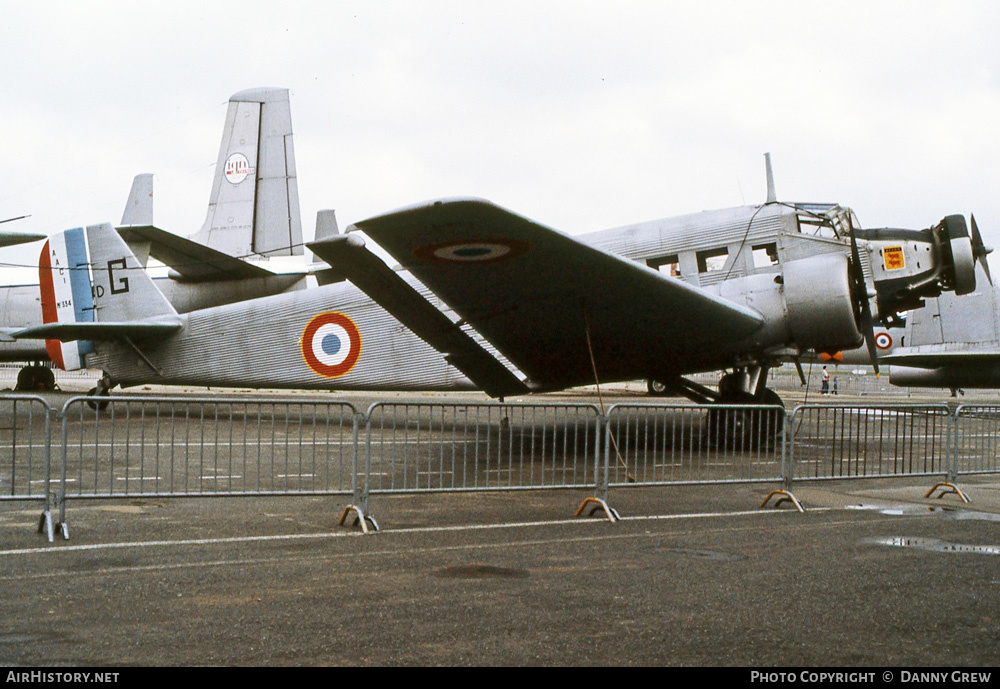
825, 389
835, 385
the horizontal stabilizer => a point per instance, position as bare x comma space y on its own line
370, 274
940, 359
69, 332
14, 238
194, 262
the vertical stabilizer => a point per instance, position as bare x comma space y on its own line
139, 207
122, 290
64, 283
254, 207
326, 227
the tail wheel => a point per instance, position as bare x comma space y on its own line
95, 394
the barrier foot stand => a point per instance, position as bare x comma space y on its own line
45, 525
610, 512
786, 496
359, 520
951, 488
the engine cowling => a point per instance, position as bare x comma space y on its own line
808, 306
820, 305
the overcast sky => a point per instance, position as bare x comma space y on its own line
580, 115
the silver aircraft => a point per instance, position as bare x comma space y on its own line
951, 343
486, 299
253, 218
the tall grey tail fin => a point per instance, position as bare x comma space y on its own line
326, 227
139, 207
254, 207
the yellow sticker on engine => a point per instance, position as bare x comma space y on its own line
892, 257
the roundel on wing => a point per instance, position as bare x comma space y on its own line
472, 251
883, 340
331, 344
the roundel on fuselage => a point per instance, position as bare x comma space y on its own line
331, 344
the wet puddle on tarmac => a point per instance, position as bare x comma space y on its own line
950, 512
934, 545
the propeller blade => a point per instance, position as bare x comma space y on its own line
980, 250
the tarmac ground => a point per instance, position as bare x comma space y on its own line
872, 574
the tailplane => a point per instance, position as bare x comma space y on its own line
254, 207
94, 288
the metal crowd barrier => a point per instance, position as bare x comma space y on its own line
169, 446
977, 440
672, 443
479, 447
25, 441
854, 441
164, 446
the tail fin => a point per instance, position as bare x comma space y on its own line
108, 297
326, 227
122, 290
254, 207
139, 207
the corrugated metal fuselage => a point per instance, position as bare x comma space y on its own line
259, 344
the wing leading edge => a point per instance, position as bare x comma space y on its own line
546, 300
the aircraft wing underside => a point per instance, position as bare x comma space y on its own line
536, 294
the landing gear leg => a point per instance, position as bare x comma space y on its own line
743, 429
102, 389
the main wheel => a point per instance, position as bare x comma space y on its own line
656, 388
732, 429
772, 420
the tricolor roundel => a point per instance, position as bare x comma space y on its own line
331, 344
883, 340
472, 251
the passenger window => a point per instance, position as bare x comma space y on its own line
666, 264
765, 255
712, 260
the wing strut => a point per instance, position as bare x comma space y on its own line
347, 253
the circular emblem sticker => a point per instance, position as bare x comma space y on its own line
238, 168
465, 251
883, 341
331, 344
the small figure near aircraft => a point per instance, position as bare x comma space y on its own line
490, 300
